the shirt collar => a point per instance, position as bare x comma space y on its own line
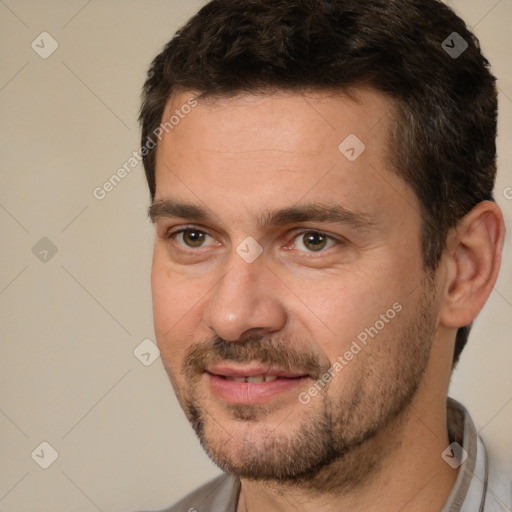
468, 493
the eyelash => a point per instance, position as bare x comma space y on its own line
330, 238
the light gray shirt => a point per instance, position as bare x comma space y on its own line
480, 486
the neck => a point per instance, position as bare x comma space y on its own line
398, 469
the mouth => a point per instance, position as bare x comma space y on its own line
252, 384
255, 380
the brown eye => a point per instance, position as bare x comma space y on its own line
314, 241
192, 237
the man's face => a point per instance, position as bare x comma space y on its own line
286, 258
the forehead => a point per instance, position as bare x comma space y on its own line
282, 119
271, 150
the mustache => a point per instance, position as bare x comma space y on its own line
274, 352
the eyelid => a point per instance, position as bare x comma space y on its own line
302, 231
291, 236
185, 227
171, 235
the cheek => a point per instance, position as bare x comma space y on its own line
175, 309
173, 295
357, 322
366, 363
339, 308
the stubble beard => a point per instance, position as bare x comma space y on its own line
340, 441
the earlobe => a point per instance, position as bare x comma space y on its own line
472, 259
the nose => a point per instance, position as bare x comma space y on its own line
245, 299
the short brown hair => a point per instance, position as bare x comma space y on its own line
444, 136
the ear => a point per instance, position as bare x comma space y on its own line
472, 258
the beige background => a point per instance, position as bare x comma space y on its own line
70, 325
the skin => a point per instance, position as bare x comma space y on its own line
241, 158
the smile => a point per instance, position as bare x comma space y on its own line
252, 385
255, 380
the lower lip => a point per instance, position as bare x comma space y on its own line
253, 392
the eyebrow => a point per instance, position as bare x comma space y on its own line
315, 212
